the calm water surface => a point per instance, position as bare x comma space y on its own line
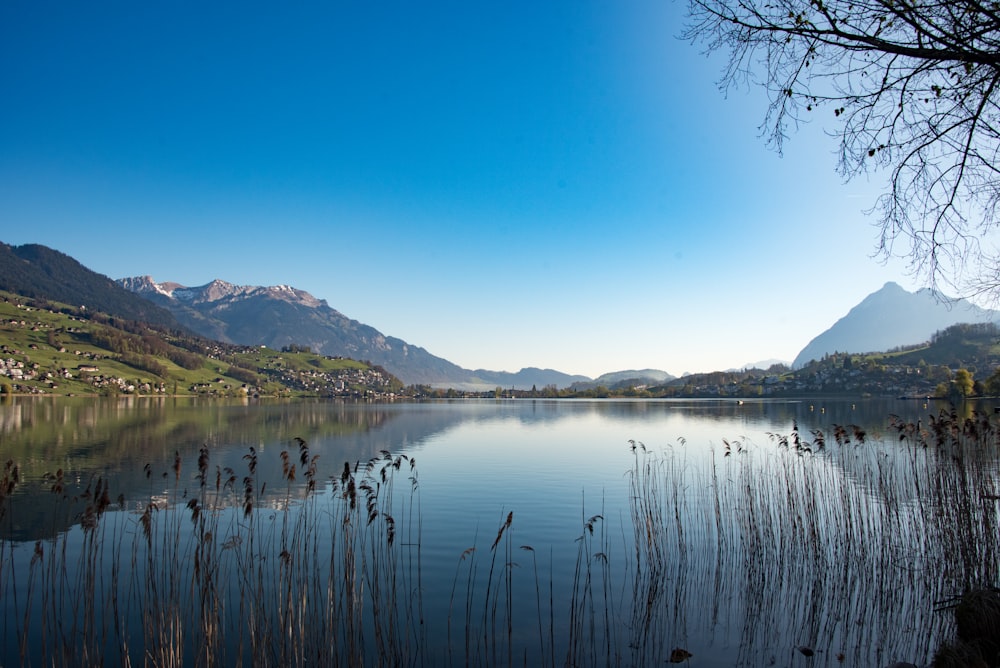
554, 464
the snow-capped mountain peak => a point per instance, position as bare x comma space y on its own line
216, 291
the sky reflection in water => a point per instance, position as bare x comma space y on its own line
554, 465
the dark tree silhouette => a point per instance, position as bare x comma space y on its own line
911, 88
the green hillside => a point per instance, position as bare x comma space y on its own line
973, 346
47, 347
927, 369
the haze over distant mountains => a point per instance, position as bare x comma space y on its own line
282, 315
892, 317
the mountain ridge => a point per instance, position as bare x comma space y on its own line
234, 314
40, 272
281, 316
216, 290
913, 317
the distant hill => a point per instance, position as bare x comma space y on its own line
763, 365
619, 380
892, 317
527, 378
643, 376
42, 273
280, 316
975, 347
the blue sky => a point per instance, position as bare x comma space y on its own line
559, 185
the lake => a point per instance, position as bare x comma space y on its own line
538, 532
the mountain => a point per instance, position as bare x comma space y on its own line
281, 316
42, 273
763, 365
639, 377
892, 317
527, 378
617, 380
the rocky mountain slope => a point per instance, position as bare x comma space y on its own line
280, 316
892, 317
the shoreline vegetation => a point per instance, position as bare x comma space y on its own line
816, 546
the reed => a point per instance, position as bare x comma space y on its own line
593, 633
224, 577
838, 544
831, 545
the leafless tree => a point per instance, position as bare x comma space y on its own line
909, 88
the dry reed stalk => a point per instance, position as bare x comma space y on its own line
836, 541
826, 541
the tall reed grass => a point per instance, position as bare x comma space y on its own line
838, 547
227, 576
833, 547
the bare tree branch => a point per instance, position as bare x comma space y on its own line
914, 88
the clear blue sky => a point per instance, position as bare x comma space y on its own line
510, 184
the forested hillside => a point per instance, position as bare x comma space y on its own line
39, 272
